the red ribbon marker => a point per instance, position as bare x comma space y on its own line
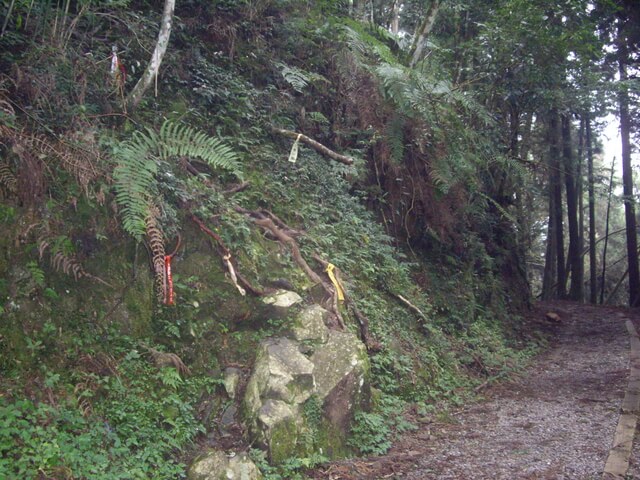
169, 298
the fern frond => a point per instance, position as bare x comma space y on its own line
394, 135
61, 256
297, 78
156, 245
7, 178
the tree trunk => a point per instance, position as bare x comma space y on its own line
395, 17
575, 252
423, 32
549, 275
593, 275
580, 193
555, 182
627, 174
151, 72
606, 233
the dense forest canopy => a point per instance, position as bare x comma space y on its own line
166, 166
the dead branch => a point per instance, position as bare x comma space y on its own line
269, 225
315, 145
411, 306
260, 214
237, 188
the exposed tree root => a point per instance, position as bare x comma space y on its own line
281, 232
315, 145
240, 282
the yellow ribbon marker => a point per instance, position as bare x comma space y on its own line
330, 268
293, 155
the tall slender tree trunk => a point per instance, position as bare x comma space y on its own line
593, 274
151, 72
555, 181
606, 232
420, 42
395, 17
627, 174
549, 275
570, 174
580, 194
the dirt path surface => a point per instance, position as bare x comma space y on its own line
556, 421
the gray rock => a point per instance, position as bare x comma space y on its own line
341, 371
217, 465
231, 380
341, 356
280, 303
228, 419
279, 425
283, 379
310, 325
280, 372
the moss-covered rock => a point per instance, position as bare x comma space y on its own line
280, 372
309, 325
283, 379
280, 426
217, 465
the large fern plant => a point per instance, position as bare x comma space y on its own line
138, 159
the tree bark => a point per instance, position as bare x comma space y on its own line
593, 275
627, 174
395, 17
151, 72
555, 211
549, 275
420, 42
606, 233
575, 252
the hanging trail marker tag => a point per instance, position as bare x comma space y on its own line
293, 155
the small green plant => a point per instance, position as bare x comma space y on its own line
290, 469
370, 434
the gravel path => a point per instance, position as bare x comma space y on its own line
556, 421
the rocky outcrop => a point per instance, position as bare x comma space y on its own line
278, 304
310, 325
341, 370
334, 371
217, 465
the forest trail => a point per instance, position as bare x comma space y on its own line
556, 420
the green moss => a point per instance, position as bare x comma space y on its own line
284, 441
139, 306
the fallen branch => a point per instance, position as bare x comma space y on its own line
237, 188
411, 306
315, 145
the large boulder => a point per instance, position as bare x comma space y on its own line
283, 379
280, 372
341, 368
279, 427
217, 465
